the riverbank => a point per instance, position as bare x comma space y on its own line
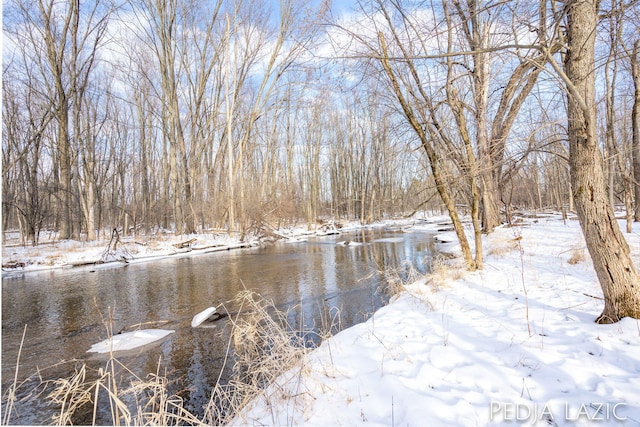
514, 343
54, 254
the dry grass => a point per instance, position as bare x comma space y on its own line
266, 346
11, 392
444, 271
153, 404
396, 279
577, 256
500, 245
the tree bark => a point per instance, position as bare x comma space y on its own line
608, 249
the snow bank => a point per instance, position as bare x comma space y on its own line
476, 350
70, 253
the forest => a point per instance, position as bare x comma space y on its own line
178, 115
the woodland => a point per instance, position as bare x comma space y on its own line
185, 116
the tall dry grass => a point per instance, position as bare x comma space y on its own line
265, 347
11, 398
396, 279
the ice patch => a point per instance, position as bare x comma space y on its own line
130, 340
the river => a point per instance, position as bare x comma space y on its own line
66, 310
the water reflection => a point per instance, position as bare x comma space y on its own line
66, 311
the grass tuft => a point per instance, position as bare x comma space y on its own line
396, 279
444, 271
577, 256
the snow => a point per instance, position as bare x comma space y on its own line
476, 349
446, 237
202, 316
130, 340
69, 253
349, 243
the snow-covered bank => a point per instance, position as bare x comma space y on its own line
515, 343
71, 253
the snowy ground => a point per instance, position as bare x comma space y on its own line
513, 344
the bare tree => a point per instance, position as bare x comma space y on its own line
201, 56
51, 27
84, 50
262, 48
440, 63
164, 17
425, 129
608, 249
618, 164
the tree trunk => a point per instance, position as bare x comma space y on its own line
608, 249
635, 124
490, 195
65, 168
229, 109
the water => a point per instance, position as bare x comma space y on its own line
66, 310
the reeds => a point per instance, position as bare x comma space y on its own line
266, 346
396, 279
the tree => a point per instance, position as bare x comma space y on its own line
164, 18
279, 48
84, 46
606, 245
426, 128
617, 164
635, 124
53, 27
438, 62
24, 132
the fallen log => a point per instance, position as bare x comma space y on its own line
185, 244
